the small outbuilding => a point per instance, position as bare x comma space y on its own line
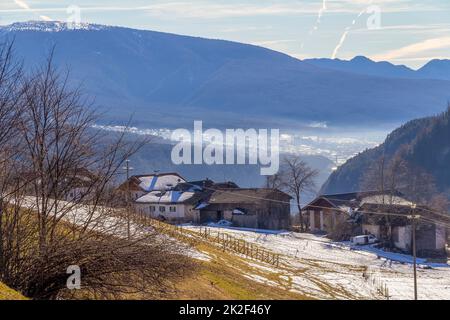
392, 224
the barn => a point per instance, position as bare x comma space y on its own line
261, 208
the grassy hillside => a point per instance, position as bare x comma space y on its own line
6, 293
225, 276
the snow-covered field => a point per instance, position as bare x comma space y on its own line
320, 268
102, 220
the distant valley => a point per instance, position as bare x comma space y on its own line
327, 110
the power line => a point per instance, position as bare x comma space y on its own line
439, 223
325, 208
312, 206
419, 206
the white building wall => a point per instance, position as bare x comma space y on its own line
145, 208
312, 225
321, 220
441, 237
404, 238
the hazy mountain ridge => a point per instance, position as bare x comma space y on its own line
426, 142
434, 69
169, 80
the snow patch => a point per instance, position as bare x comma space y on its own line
51, 26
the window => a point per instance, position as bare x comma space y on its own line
162, 209
173, 209
152, 208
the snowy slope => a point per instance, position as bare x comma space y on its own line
316, 266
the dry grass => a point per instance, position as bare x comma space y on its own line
6, 293
224, 277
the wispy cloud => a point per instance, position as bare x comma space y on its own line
273, 42
414, 50
346, 31
222, 9
23, 5
321, 11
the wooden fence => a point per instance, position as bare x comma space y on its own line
230, 243
225, 241
379, 285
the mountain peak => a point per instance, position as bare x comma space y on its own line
436, 69
51, 26
437, 62
361, 59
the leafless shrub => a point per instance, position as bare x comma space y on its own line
58, 195
297, 178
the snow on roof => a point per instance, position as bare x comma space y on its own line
159, 182
238, 212
165, 197
385, 199
52, 26
201, 206
355, 199
347, 209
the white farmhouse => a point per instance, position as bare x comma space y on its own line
143, 184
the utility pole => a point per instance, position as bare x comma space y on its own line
128, 168
414, 219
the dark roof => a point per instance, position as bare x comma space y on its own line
399, 213
201, 183
184, 186
159, 175
205, 185
198, 197
350, 199
73, 178
225, 185
247, 196
133, 184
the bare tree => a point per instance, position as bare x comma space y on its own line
439, 202
10, 110
395, 176
297, 178
274, 182
57, 150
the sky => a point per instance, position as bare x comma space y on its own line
409, 32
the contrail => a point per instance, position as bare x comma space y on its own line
341, 42
346, 31
319, 16
25, 6
318, 21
